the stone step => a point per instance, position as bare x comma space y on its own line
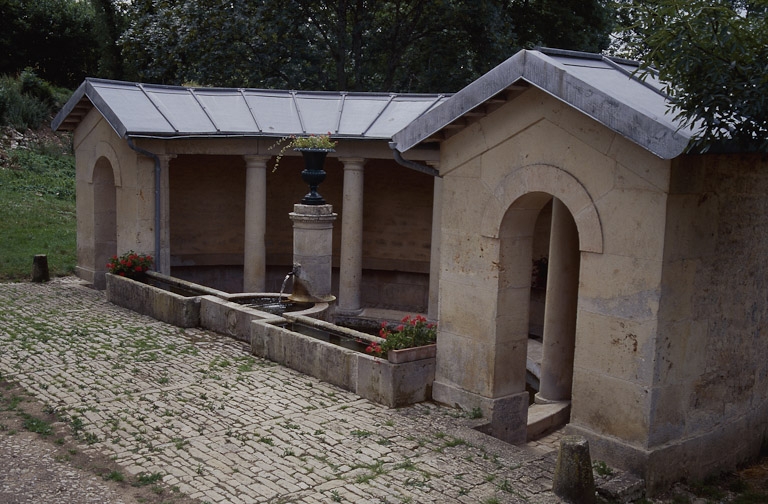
546, 417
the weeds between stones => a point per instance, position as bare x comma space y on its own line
22, 415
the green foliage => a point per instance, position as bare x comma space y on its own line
32, 85
109, 22
564, 24
18, 109
114, 476
601, 468
301, 142
37, 425
412, 332
476, 413
711, 54
37, 211
367, 45
28, 101
42, 172
144, 479
56, 37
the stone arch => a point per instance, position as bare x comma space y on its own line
104, 217
542, 178
106, 151
511, 218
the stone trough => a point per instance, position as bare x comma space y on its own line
307, 345
299, 339
175, 302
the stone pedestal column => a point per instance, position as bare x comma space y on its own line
560, 309
254, 252
351, 264
312, 252
163, 263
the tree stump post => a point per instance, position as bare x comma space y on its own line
40, 268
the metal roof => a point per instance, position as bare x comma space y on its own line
149, 110
606, 89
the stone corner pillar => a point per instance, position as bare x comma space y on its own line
312, 252
254, 248
163, 263
434, 253
351, 261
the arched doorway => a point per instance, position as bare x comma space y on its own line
517, 235
104, 219
508, 224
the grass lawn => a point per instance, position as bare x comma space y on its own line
37, 211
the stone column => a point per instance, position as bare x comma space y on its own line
164, 261
351, 263
560, 309
254, 252
434, 253
312, 252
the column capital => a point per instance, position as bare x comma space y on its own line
353, 163
166, 158
256, 160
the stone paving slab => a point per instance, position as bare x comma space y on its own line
225, 426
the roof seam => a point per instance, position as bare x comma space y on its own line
375, 119
634, 77
298, 113
205, 109
342, 102
152, 101
250, 110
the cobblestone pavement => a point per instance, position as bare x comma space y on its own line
223, 426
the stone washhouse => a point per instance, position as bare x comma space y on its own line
652, 324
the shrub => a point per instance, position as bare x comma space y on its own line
28, 101
32, 85
18, 109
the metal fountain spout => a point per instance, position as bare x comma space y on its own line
303, 291
285, 281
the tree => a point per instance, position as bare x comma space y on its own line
564, 24
372, 45
109, 24
54, 37
712, 56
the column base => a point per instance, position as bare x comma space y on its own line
96, 278
507, 416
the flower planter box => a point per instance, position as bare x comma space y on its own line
412, 354
394, 385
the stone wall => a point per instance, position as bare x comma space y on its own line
711, 374
113, 223
499, 174
207, 207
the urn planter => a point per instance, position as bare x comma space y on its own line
313, 173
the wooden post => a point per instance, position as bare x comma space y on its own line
40, 268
